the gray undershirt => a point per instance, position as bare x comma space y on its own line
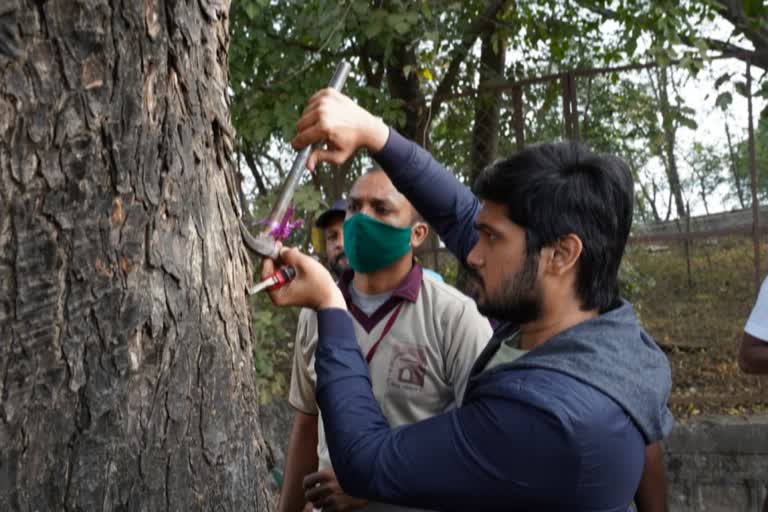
508, 351
367, 303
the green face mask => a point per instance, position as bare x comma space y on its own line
371, 245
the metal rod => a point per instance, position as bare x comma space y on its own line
299, 164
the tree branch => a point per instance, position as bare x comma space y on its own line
308, 47
254, 168
733, 11
481, 24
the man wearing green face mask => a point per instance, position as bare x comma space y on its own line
419, 335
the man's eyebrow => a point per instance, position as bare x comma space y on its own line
482, 226
381, 201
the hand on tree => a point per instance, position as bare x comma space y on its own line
324, 492
313, 287
334, 118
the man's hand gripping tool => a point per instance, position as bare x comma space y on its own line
265, 244
277, 280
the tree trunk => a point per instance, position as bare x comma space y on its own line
667, 119
486, 127
125, 345
651, 200
485, 130
734, 167
405, 86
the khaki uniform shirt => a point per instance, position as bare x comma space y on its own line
420, 368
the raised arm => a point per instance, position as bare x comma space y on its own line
449, 206
444, 202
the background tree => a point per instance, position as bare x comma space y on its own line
125, 347
407, 58
707, 165
671, 113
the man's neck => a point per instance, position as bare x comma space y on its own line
552, 322
385, 279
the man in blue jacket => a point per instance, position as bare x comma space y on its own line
570, 389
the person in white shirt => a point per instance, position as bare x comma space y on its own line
753, 355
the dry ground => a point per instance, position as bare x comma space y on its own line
699, 326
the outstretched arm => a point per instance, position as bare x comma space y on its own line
445, 462
497, 448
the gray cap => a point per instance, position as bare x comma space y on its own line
339, 207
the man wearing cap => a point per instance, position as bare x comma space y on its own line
419, 336
330, 222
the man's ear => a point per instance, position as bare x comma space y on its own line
565, 253
419, 232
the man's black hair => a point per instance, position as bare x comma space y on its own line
552, 190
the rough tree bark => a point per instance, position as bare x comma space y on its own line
125, 347
486, 127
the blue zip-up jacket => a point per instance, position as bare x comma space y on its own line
562, 428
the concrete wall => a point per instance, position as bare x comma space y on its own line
718, 464
714, 464
715, 221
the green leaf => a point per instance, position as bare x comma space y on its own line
741, 88
402, 27
394, 19
763, 92
412, 17
724, 100
251, 10
753, 8
688, 122
426, 10
722, 79
361, 6
701, 46
663, 58
373, 29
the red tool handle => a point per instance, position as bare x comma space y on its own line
284, 275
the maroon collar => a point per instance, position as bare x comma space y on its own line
408, 290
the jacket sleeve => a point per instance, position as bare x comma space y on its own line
449, 206
476, 456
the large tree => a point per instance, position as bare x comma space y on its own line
125, 347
